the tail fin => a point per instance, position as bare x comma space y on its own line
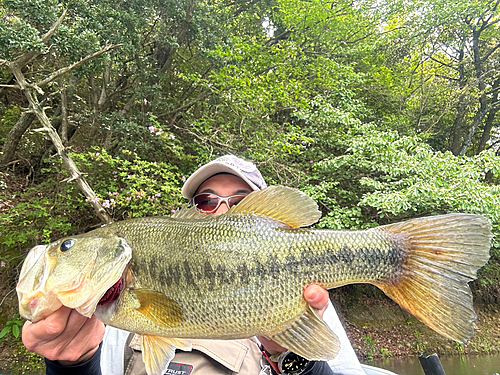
444, 254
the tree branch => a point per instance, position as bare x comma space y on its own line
201, 96
451, 66
64, 70
490, 52
26, 58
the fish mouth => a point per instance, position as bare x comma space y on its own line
31, 286
112, 293
41, 301
109, 301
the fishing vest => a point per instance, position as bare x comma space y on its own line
214, 357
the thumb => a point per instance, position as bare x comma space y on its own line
317, 297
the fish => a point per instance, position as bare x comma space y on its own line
242, 274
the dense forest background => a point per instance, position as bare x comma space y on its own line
380, 110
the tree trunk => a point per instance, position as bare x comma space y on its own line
461, 108
14, 137
63, 130
166, 56
30, 93
489, 123
481, 86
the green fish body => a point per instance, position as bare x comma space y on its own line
243, 274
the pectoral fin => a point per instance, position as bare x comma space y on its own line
309, 337
158, 308
158, 351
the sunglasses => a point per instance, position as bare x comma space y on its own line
207, 202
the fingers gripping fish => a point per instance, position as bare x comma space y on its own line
243, 273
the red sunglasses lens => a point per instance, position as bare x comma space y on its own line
233, 201
206, 202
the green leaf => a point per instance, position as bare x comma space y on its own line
4, 331
15, 331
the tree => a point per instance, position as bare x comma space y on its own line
31, 92
453, 45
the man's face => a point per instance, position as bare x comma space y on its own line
224, 185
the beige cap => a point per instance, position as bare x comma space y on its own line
246, 170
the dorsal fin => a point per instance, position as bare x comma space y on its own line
286, 205
188, 212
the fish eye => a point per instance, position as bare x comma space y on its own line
66, 245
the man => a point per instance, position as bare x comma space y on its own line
71, 342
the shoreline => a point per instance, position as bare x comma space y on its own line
378, 328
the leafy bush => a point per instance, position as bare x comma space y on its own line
128, 186
385, 177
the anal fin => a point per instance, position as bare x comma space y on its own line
158, 351
309, 337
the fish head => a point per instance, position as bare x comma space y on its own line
74, 272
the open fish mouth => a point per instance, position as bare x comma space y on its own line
108, 302
112, 293
44, 299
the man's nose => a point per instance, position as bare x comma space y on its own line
223, 207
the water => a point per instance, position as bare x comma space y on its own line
453, 365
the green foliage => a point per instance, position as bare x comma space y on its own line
17, 36
33, 216
32, 220
25, 362
400, 176
419, 341
386, 353
8, 120
12, 327
370, 347
17, 359
447, 88
39, 12
22, 24
459, 347
384, 177
128, 186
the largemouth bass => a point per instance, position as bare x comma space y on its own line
243, 274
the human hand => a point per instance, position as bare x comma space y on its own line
315, 296
65, 336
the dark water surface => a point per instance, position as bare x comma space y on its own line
453, 365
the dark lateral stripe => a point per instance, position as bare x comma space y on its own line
365, 259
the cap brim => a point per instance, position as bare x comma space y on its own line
197, 178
